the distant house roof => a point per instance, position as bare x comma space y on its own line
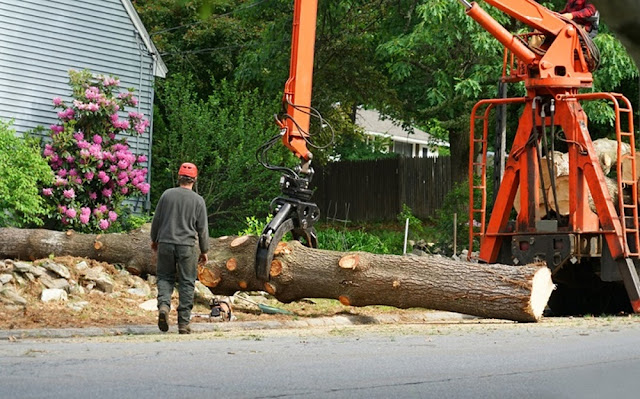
160, 69
373, 123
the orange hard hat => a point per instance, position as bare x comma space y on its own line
188, 169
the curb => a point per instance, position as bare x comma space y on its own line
334, 321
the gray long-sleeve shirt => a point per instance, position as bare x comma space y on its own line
180, 217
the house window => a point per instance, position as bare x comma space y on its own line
403, 148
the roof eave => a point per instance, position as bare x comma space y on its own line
160, 68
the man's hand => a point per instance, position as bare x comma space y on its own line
568, 15
203, 259
154, 246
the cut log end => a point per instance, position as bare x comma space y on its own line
239, 242
232, 264
270, 288
208, 277
349, 261
276, 268
541, 288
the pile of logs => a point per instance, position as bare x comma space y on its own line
607, 151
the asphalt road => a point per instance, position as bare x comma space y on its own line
561, 358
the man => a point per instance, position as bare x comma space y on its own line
582, 13
180, 218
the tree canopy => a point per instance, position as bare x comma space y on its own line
424, 62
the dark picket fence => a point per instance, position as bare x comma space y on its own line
376, 190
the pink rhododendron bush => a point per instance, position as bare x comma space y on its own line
94, 167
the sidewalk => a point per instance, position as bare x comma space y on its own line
199, 327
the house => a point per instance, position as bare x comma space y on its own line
41, 40
412, 143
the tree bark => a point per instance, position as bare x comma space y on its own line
132, 250
354, 278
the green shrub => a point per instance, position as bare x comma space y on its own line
354, 240
22, 171
254, 226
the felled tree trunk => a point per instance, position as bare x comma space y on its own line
355, 278
132, 250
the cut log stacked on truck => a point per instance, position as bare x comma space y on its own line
607, 152
354, 278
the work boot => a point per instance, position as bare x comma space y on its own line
184, 329
163, 318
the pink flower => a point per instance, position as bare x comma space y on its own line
142, 158
112, 216
84, 219
69, 193
122, 164
56, 128
93, 107
71, 213
88, 175
57, 101
107, 192
62, 208
66, 114
93, 196
103, 208
47, 191
97, 139
103, 224
78, 180
70, 159
78, 136
144, 188
48, 150
62, 173
84, 153
83, 144
124, 190
113, 168
73, 172
113, 117
85, 210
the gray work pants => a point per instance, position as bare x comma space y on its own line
177, 263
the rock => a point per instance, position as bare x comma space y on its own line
76, 289
81, 266
99, 278
38, 271
19, 279
151, 305
61, 283
78, 306
138, 292
9, 296
202, 294
46, 280
5, 278
22, 267
54, 294
6, 266
105, 283
58, 269
153, 280
30, 277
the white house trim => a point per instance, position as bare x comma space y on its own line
159, 69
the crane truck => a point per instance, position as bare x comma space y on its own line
594, 256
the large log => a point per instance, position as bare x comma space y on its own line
355, 278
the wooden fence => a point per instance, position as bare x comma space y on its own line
376, 190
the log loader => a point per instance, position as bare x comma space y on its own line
589, 254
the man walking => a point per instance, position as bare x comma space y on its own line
179, 220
